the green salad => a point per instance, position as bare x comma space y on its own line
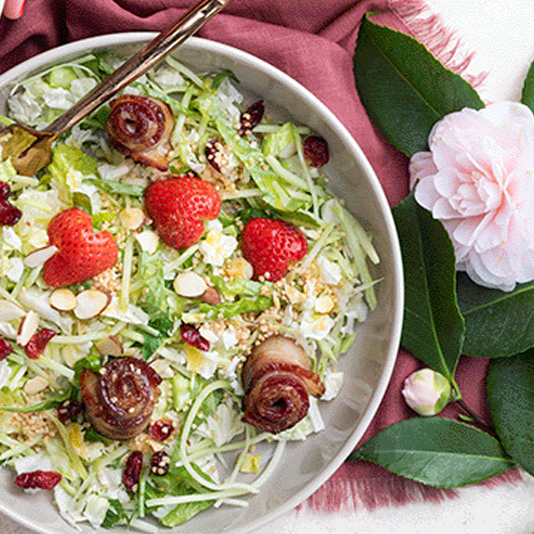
207, 456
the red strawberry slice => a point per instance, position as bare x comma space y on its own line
269, 245
81, 253
178, 205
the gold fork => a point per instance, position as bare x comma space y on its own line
30, 150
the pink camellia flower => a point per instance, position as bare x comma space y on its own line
478, 180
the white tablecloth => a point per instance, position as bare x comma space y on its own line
501, 32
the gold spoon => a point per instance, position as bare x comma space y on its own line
30, 149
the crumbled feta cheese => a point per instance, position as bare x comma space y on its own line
332, 384
229, 338
217, 247
316, 327
330, 271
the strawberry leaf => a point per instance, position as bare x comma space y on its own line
404, 88
497, 323
433, 328
510, 389
436, 451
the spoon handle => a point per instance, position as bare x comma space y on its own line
138, 64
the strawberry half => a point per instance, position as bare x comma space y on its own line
178, 205
81, 253
269, 245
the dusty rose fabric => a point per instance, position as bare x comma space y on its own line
312, 41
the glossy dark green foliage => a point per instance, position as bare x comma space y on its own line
510, 389
497, 323
404, 88
436, 451
433, 327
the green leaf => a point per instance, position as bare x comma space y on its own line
527, 94
117, 188
433, 327
510, 389
436, 451
497, 323
404, 88
47, 404
178, 482
221, 76
115, 515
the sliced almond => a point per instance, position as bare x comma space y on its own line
91, 303
211, 296
9, 311
35, 385
148, 241
132, 218
39, 256
110, 346
190, 285
28, 326
62, 299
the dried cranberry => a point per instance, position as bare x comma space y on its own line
5, 348
9, 214
213, 152
316, 151
251, 117
161, 430
68, 410
192, 336
5, 190
38, 343
159, 464
38, 479
132, 470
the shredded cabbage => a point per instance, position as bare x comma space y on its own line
214, 460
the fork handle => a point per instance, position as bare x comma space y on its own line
138, 64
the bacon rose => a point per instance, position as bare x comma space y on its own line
278, 380
119, 400
140, 127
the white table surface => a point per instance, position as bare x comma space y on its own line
501, 33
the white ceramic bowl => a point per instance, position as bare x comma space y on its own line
367, 367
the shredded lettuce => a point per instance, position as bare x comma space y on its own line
319, 303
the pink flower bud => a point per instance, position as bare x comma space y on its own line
426, 392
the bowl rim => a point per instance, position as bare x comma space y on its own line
217, 48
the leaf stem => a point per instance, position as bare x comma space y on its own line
476, 418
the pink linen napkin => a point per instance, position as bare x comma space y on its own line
313, 41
